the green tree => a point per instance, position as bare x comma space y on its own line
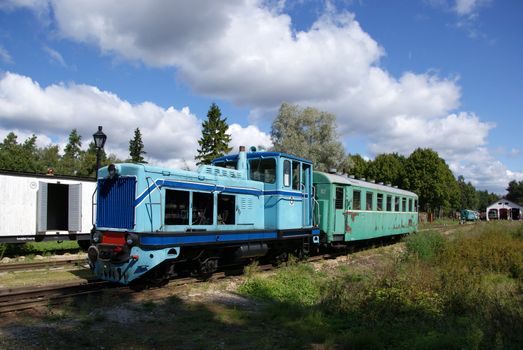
515, 192
48, 158
430, 177
388, 168
88, 161
71, 160
215, 141
469, 198
19, 157
308, 133
355, 165
485, 199
136, 147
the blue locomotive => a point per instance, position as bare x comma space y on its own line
153, 223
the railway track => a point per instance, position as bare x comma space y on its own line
42, 265
17, 299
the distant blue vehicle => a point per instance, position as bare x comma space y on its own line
153, 223
468, 215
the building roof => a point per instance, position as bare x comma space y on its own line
504, 203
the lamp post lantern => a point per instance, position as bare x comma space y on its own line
99, 141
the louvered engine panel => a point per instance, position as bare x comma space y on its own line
115, 203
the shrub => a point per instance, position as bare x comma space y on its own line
295, 284
424, 245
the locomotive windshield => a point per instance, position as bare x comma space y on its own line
263, 169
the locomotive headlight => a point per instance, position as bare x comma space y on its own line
131, 239
97, 237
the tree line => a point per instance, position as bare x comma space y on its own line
26, 156
305, 132
311, 134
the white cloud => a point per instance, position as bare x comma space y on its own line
55, 56
467, 7
248, 136
483, 170
248, 52
168, 134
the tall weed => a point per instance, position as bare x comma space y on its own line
424, 245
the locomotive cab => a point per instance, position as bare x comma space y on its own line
287, 184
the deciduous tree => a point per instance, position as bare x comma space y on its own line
515, 192
308, 133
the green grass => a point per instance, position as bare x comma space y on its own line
460, 293
463, 291
38, 248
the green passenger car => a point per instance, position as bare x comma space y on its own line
348, 209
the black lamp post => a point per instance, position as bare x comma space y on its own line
99, 141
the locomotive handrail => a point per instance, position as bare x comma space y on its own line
316, 204
151, 203
304, 213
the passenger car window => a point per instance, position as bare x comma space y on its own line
369, 200
356, 200
380, 202
339, 198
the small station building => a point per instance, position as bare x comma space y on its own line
503, 209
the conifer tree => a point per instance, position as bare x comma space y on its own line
70, 163
214, 141
136, 147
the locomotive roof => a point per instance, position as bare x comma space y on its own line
230, 157
343, 179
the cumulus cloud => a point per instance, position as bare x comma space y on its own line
248, 52
169, 135
58, 108
248, 136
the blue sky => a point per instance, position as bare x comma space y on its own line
398, 75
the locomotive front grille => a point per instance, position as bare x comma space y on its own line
115, 202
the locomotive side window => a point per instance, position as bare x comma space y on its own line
356, 200
369, 200
396, 203
339, 198
263, 170
415, 205
176, 207
295, 175
403, 204
229, 164
411, 208
389, 203
380, 202
226, 209
286, 173
202, 208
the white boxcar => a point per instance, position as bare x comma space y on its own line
37, 207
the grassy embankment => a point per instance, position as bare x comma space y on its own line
31, 249
459, 292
